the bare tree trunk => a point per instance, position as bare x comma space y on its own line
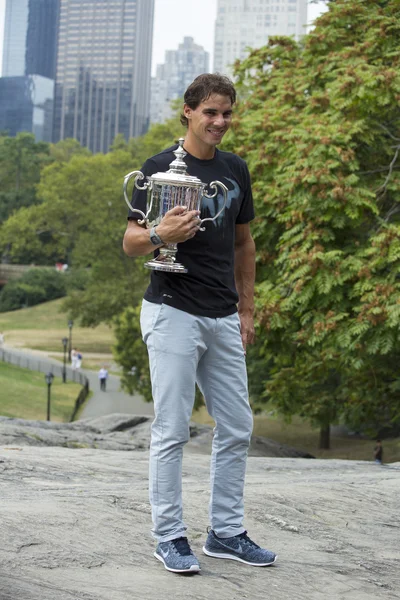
325, 437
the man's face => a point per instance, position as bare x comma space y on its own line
209, 122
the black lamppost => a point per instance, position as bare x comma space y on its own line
64, 375
49, 380
70, 325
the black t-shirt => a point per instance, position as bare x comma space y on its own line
208, 288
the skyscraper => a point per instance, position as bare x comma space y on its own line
103, 70
28, 67
30, 38
14, 44
249, 23
173, 77
41, 38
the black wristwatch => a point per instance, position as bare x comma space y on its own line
155, 238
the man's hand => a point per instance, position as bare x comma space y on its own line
178, 225
247, 329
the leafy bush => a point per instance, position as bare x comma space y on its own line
34, 287
76, 279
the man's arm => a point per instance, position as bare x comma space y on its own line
245, 270
177, 225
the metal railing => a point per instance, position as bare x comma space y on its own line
45, 366
42, 365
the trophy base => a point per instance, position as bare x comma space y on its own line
159, 265
166, 261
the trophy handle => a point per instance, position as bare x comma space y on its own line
139, 176
213, 185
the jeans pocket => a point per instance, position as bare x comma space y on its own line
149, 316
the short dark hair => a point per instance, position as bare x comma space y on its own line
203, 86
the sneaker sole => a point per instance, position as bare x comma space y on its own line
192, 569
233, 557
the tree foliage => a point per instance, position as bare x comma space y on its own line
159, 137
34, 287
319, 125
21, 159
81, 221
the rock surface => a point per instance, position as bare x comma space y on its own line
119, 432
75, 526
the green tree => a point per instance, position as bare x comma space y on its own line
64, 150
159, 137
319, 125
21, 159
81, 221
34, 287
25, 236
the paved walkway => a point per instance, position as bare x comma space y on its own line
100, 403
113, 400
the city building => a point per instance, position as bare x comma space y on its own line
103, 71
245, 24
14, 43
28, 67
173, 77
26, 104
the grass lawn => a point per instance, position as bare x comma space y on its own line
24, 395
42, 327
301, 435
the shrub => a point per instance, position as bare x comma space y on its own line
35, 286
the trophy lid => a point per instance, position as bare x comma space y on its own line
177, 175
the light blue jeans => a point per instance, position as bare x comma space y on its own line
183, 349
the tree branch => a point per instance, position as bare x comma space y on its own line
382, 189
386, 130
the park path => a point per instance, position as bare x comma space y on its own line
113, 400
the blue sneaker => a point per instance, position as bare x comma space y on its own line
177, 556
240, 547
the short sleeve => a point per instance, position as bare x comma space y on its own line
246, 212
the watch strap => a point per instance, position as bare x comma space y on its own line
155, 238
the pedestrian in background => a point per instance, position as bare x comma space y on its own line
103, 376
79, 357
73, 358
378, 452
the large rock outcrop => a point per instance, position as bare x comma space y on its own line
119, 432
75, 526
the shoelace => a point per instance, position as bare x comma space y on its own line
243, 536
182, 546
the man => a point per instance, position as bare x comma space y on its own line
378, 452
103, 375
196, 327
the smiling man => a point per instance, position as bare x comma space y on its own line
196, 326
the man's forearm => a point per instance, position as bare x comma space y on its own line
245, 271
137, 242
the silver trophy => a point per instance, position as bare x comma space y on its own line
164, 192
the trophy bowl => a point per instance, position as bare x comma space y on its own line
165, 191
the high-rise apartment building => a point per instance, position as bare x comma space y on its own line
173, 77
249, 23
103, 70
28, 67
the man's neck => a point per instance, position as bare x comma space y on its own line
198, 149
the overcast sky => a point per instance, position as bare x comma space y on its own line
175, 19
